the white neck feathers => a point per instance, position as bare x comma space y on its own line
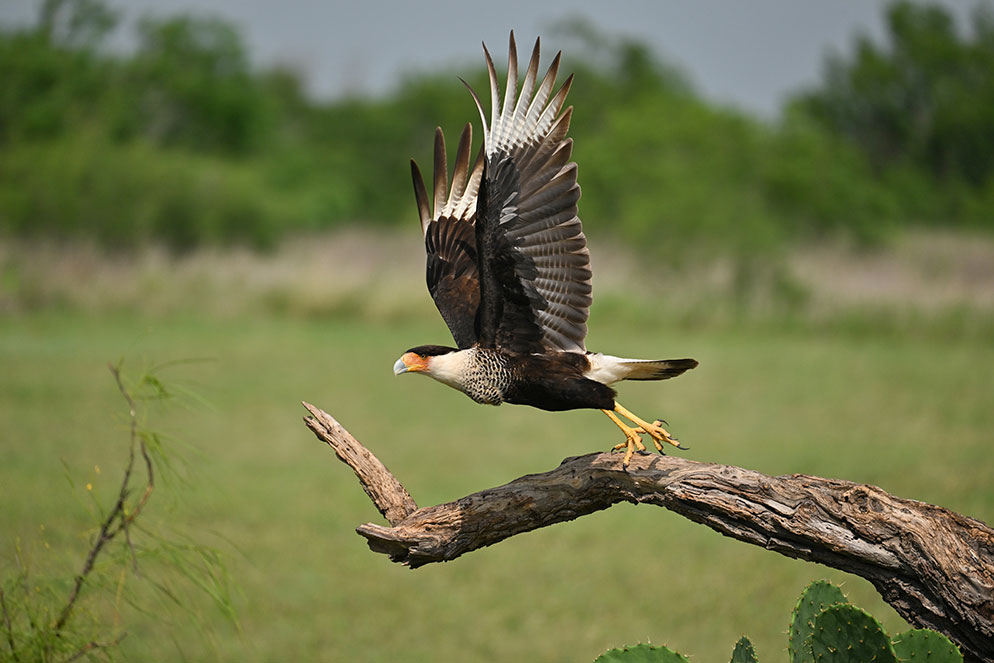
451, 368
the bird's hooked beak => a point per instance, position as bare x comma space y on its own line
410, 362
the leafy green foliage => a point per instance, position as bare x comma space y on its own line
921, 644
228, 154
744, 651
642, 653
194, 83
844, 633
921, 96
921, 102
815, 598
123, 195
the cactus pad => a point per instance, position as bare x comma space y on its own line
925, 646
816, 597
744, 652
825, 628
846, 634
641, 654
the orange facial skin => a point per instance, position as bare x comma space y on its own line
410, 363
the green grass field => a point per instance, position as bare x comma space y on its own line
912, 414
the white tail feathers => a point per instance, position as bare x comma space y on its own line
608, 370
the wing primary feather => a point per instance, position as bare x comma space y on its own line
479, 107
466, 206
528, 87
557, 102
460, 174
494, 94
476, 176
559, 129
421, 196
544, 90
441, 172
510, 91
555, 137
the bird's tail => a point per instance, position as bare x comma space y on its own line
655, 369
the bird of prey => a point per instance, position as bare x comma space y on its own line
508, 265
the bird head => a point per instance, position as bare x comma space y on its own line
419, 359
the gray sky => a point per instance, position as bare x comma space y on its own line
747, 53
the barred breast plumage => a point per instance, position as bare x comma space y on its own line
487, 376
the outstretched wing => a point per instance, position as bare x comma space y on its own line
534, 267
450, 240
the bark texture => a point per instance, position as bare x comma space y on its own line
934, 566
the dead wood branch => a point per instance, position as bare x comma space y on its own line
934, 566
389, 496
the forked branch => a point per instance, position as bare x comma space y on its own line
934, 566
120, 517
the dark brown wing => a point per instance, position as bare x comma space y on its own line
450, 240
533, 259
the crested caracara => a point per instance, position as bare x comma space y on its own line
508, 265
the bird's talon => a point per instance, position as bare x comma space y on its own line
633, 434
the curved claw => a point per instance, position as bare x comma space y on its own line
628, 456
633, 440
631, 445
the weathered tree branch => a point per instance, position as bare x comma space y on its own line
389, 496
934, 566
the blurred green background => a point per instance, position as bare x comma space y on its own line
832, 269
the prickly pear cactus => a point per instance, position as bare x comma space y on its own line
641, 654
743, 652
824, 629
925, 646
846, 634
816, 597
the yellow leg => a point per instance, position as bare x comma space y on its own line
632, 439
655, 430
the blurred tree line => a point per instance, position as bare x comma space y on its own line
182, 142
